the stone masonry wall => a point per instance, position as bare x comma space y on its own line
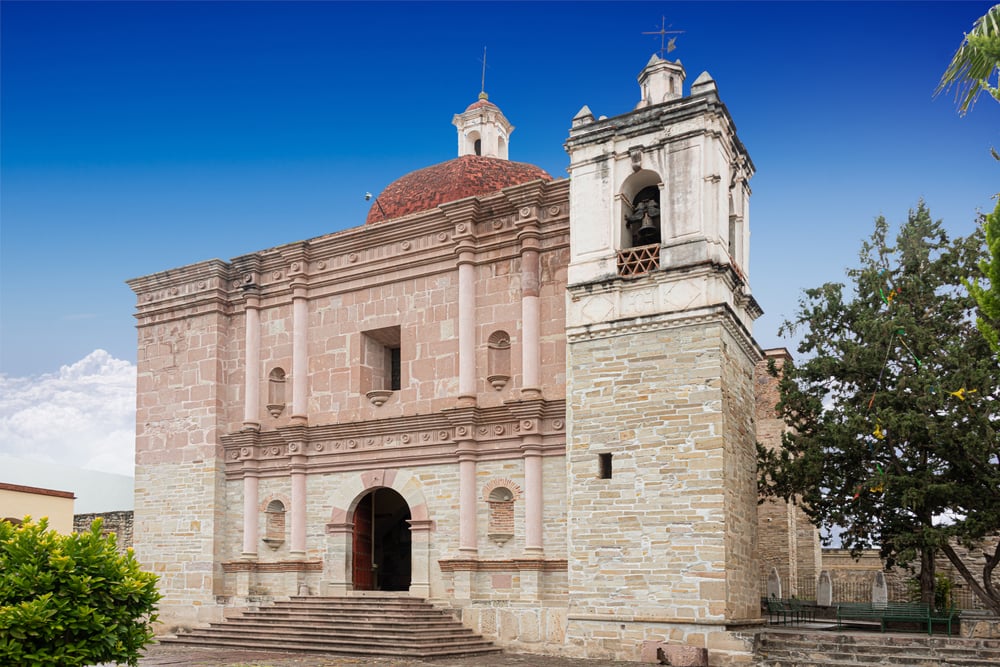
422, 300
119, 523
179, 500
193, 369
651, 555
740, 479
439, 484
788, 541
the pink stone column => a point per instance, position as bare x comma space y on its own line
298, 545
337, 561
534, 501
300, 359
531, 442
251, 362
466, 328
250, 502
530, 314
467, 498
420, 562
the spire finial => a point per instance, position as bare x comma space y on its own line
665, 44
482, 87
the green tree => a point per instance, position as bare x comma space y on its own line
987, 291
975, 63
71, 600
892, 409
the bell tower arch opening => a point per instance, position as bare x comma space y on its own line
381, 549
641, 217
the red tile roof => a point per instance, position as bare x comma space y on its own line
481, 103
465, 176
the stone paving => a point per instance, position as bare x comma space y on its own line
175, 656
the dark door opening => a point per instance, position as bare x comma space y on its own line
381, 553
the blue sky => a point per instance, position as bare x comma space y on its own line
137, 137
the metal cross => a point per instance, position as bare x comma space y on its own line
666, 45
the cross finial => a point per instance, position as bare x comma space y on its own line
665, 44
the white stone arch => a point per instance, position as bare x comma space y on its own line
632, 185
337, 566
470, 143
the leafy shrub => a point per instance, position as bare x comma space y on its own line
943, 586
71, 600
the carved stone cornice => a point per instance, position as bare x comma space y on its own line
720, 314
191, 290
495, 433
464, 420
296, 258
295, 434
527, 195
463, 214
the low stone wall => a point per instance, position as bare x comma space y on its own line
976, 626
119, 523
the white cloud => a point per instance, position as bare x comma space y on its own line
82, 416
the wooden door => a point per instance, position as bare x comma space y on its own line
364, 579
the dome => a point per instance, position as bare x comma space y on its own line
465, 176
479, 104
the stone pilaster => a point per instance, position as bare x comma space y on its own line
463, 213
251, 360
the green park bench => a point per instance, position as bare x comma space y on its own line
780, 610
901, 612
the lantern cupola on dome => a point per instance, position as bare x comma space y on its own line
483, 129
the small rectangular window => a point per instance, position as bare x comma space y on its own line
394, 366
604, 466
381, 360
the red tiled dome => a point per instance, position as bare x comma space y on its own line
479, 104
462, 177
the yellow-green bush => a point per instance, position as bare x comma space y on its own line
71, 600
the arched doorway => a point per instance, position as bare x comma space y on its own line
381, 554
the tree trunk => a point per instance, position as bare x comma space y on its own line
986, 592
927, 580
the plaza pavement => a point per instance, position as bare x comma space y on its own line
178, 656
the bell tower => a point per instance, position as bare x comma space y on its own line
661, 478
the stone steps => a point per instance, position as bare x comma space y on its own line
358, 626
791, 648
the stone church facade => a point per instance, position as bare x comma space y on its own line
529, 399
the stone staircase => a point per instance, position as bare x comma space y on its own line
802, 648
362, 626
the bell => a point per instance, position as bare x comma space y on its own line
648, 233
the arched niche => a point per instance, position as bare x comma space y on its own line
498, 359
276, 391
641, 211
274, 523
473, 143
500, 495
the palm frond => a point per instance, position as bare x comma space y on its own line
975, 62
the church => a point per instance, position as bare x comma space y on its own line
530, 400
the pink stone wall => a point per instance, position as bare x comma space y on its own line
196, 439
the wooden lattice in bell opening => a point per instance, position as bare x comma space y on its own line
639, 260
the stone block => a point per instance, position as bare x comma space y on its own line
508, 625
656, 653
555, 625
824, 590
